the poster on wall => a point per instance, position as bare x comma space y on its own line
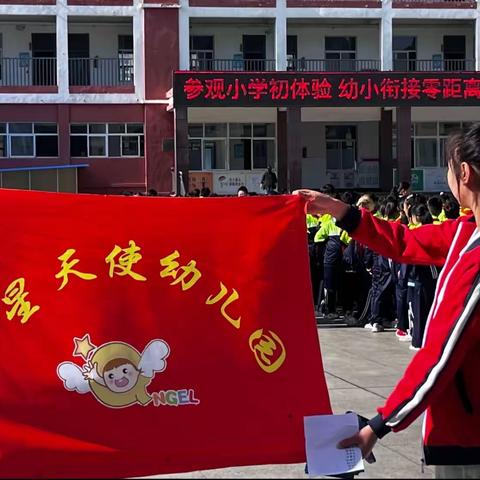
253, 182
367, 174
435, 180
199, 180
227, 183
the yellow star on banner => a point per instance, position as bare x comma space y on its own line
83, 346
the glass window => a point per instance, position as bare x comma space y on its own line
404, 43
20, 128
3, 146
217, 130
78, 146
241, 130
426, 129
3, 128
78, 128
114, 145
450, 127
45, 128
97, 128
214, 155
334, 155
240, 154
264, 130
263, 153
201, 42
134, 128
141, 146
21, 146
97, 147
426, 152
130, 146
116, 128
195, 154
340, 43
195, 130
46, 146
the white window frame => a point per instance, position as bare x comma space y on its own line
33, 135
227, 139
353, 141
108, 134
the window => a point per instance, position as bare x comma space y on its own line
341, 147
234, 146
404, 53
201, 52
428, 142
292, 52
125, 58
340, 54
28, 140
106, 140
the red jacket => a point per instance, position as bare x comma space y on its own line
444, 376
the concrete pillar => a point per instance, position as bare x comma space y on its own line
404, 142
184, 35
281, 36
386, 42
138, 50
282, 145
294, 148
62, 48
477, 43
385, 148
181, 149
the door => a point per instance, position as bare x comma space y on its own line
79, 58
254, 52
44, 51
454, 52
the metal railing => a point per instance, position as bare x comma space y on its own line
433, 65
227, 65
435, 3
314, 65
26, 72
104, 72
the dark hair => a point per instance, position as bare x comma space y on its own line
422, 214
435, 206
464, 148
205, 192
347, 197
391, 209
452, 209
404, 185
243, 188
152, 192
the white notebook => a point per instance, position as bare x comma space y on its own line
322, 434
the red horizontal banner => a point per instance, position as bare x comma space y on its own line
325, 89
145, 335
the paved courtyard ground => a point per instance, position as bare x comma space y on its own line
361, 369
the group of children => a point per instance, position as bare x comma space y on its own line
350, 281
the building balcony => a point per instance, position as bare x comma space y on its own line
227, 65
434, 65
314, 65
99, 75
434, 4
27, 74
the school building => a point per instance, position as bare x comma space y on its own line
104, 96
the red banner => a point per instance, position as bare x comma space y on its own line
144, 335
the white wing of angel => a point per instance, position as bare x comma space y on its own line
154, 358
73, 377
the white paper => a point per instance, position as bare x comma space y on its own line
322, 434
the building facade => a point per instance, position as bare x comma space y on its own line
107, 96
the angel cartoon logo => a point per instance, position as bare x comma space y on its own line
115, 373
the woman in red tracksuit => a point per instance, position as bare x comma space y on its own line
443, 377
